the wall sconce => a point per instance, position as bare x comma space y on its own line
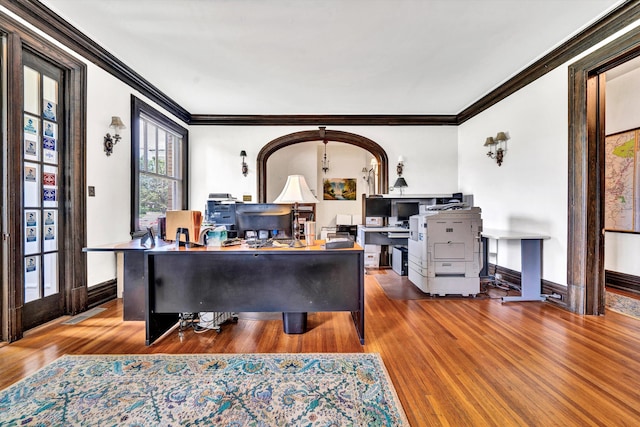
400, 183
110, 141
245, 167
497, 147
400, 165
369, 175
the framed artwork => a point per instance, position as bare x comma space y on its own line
622, 182
339, 189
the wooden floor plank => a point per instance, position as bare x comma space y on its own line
463, 362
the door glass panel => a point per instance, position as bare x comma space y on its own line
50, 240
50, 142
50, 273
31, 91
31, 138
31, 184
50, 186
32, 231
31, 278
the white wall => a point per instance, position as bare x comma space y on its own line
622, 113
430, 159
529, 191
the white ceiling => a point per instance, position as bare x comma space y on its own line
328, 56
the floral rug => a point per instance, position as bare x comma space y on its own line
206, 389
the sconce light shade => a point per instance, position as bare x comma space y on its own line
243, 153
489, 142
110, 141
400, 183
501, 137
116, 123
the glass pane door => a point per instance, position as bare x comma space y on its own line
42, 189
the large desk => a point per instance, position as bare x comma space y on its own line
133, 275
531, 262
236, 279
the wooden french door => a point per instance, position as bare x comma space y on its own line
42, 188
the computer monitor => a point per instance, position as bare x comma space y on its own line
264, 217
377, 206
406, 209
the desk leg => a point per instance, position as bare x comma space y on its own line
531, 280
294, 323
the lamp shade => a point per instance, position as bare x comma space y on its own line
400, 183
296, 190
489, 141
116, 123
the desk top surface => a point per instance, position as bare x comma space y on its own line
512, 235
162, 246
392, 229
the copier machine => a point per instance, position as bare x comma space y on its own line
445, 254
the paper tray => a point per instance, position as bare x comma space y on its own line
339, 241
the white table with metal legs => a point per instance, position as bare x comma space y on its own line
531, 256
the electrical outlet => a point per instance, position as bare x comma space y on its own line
92, 191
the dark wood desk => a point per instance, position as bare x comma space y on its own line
133, 275
236, 279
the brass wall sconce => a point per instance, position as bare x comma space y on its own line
245, 167
400, 165
497, 147
400, 183
110, 141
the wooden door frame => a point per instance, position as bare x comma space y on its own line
585, 257
314, 135
73, 240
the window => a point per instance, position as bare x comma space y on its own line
159, 166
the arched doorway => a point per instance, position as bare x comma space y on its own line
315, 135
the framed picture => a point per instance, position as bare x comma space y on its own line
339, 189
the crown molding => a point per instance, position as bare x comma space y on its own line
47, 21
329, 119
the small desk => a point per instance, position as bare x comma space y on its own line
383, 236
531, 264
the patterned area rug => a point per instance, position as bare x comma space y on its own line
622, 304
206, 389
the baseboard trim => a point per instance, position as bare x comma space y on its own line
102, 292
548, 287
622, 281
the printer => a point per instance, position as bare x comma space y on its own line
444, 251
221, 210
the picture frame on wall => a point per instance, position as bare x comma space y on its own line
339, 189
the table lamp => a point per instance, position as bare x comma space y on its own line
296, 191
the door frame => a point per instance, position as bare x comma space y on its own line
73, 240
585, 258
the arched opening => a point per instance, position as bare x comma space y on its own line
314, 135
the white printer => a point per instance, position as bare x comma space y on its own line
445, 255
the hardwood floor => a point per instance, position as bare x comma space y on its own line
453, 362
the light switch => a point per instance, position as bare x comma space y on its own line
92, 191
